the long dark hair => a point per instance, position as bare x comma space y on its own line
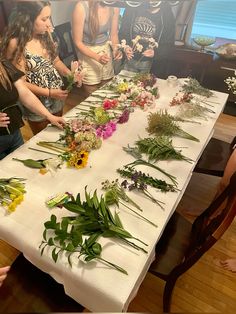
21, 24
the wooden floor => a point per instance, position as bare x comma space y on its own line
206, 287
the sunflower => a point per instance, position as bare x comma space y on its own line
78, 159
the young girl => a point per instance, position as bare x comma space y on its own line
28, 44
12, 88
94, 25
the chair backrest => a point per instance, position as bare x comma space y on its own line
66, 48
213, 222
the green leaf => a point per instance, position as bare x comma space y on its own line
120, 232
97, 249
92, 239
78, 201
117, 220
95, 200
54, 255
45, 235
70, 247
88, 198
64, 223
74, 208
69, 259
50, 242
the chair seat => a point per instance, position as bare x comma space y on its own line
172, 246
214, 158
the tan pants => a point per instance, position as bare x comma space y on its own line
96, 72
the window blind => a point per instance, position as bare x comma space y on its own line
215, 18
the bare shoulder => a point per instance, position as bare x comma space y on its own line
79, 8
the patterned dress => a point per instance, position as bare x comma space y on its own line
41, 72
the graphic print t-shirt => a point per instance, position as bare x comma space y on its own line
147, 26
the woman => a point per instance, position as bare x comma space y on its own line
148, 22
94, 25
3, 273
28, 45
12, 88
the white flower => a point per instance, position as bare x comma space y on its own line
139, 47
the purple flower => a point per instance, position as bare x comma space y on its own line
124, 117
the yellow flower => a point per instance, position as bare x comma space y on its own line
12, 207
122, 87
78, 160
19, 199
43, 170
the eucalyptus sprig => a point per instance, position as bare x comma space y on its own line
115, 194
193, 86
163, 124
65, 237
159, 148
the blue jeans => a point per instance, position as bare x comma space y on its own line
8, 143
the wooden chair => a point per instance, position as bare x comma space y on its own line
214, 157
183, 243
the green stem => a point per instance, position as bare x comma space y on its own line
133, 244
144, 218
148, 194
120, 269
43, 151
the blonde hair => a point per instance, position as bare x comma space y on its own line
4, 78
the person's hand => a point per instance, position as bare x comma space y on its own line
148, 53
129, 53
4, 120
103, 58
57, 121
117, 54
3, 273
58, 93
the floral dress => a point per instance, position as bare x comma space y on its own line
41, 72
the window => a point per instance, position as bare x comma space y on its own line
215, 18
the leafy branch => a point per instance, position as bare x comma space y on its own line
71, 241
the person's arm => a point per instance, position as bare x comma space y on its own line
78, 19
114, 34
3, 273
30, 101
4, 120
61, 67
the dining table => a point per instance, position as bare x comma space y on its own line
94, 284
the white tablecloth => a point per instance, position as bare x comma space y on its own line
94, 285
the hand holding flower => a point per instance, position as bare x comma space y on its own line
103, 59
76, 76
58, 93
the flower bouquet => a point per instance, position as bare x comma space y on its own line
11, 192
75, 77
231, 82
